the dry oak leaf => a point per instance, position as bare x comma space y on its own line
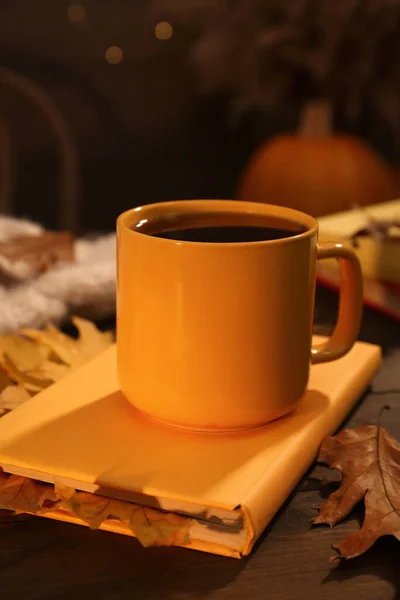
151, 527
369, 460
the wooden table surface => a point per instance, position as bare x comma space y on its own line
41, 559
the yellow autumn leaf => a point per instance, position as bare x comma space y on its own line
90, 508
72, 352
11, 397
154, 528
151, 527
25, 353
62, 345
63, 492
48, 354
23, 495
38, 379
33, 382
50, 370
5, 380
91, 340
19, 494
47, 500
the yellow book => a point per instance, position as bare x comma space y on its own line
379, 257
83, 434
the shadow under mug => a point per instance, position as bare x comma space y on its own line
218, 336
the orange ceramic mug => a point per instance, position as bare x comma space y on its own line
217, 335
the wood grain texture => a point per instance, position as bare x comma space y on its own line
40, 559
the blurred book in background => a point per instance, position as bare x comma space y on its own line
374, 234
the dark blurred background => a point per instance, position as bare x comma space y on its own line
143, 131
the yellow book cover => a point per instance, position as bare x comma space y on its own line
373, 232
221, 489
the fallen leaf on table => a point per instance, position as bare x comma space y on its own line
63, 346
38, 358
5, 380
32, 381
11, 397
24, 353
50, 371
72, 352
369, 460
37, 379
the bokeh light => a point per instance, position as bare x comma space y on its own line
163, 30
76, 13
114, 55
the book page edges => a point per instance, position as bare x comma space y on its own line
379, 259
218, 543
347, 223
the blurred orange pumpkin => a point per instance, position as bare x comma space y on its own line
315, 171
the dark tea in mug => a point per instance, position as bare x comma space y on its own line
220, 228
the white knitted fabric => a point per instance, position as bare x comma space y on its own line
86, 287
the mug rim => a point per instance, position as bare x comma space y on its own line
133, 216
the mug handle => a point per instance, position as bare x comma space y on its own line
350, 303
